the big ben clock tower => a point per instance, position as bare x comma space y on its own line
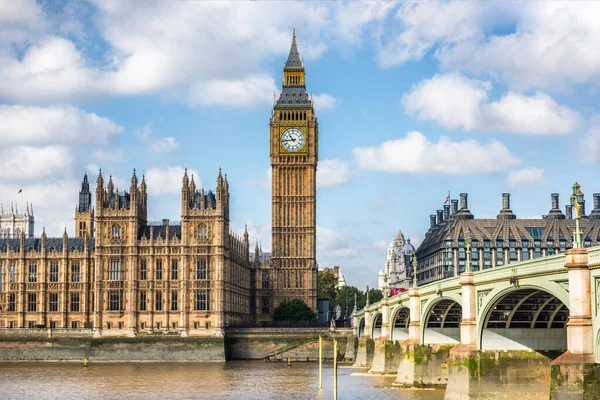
294, 153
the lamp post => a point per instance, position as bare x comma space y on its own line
414, 264
468, 245
576, 201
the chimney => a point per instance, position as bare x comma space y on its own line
582, 211
463, 201
454, 207
506, 201
165, 222
506, 212
464, 212
432, 220
440, 216
446, 212
555, 212
596, 211
555, 200
569, 211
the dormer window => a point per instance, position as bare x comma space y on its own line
202, 233
116, 232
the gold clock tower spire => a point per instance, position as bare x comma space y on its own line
294, 151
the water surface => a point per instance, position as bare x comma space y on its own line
214, 381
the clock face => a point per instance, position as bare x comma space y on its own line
292, 139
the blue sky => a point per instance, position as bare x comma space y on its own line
414, 99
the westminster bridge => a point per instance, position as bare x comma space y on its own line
529, 329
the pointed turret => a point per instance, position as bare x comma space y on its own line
134, 181
192, 186
110, 187
293, 94
294, 62
100, 180
185, 181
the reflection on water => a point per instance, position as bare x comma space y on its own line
234, 380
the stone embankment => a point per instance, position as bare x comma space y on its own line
235, 344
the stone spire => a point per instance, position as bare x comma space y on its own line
294, 62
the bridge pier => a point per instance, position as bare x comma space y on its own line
366, 346
386, 353
575, 374
364, 352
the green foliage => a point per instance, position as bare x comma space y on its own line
375, 295
345, 298
327, 286
294, 310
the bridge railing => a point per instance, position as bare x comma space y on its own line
548, 264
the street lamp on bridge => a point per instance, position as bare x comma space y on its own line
576, 202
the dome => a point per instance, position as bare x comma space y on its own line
400, 236
408, 248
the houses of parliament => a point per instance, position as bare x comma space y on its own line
121, 275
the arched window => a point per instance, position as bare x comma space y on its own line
116, 231
202, 232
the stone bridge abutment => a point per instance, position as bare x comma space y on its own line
531, 321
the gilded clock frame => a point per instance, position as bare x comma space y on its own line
283, 150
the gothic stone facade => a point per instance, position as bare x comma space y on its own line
192, 277
500, 241
294, 131
123, 275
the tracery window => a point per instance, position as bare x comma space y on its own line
116, 232
202, 232
201, 302
32, 273
54, 272
75, 272
74, 302
142, 301
115, 270
202, 270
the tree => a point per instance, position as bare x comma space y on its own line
375, 295
294, 310
345, 298
327, 286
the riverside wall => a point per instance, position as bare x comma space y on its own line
272, 344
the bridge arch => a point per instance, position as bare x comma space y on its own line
440, 323
377, 321
400, 318
361, 326
526, 317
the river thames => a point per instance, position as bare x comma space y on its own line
233, 380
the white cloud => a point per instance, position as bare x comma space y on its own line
352, 17
590, 142
250, 92
416, 154
21, 124
553, 45
333, 244
165, 145
429, 23
257, 233
157, 145
26, 162
525, 177
455, 101
167, 180
380, 245
333, 172
324, 102
169, 48
53, 215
